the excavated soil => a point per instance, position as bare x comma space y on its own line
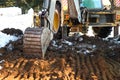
74, 58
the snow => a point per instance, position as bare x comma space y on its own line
67, 42
21, 21
90, 31
2, 61
4, 39
54, 43
12, 17
1, 67
10, 11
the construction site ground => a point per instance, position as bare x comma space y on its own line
74, 58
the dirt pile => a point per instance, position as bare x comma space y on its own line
75, 58
12, 31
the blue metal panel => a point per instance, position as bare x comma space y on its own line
92, 4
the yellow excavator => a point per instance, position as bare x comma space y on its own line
60, 17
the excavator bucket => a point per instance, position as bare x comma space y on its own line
36, 41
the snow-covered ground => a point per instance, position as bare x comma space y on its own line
4, 39
10, 11
12, 17
15, 19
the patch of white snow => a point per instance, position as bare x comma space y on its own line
18, 22
10, 11
90, 31
67, 42
5, 39
1, 67
2, 61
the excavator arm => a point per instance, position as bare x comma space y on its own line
36, 40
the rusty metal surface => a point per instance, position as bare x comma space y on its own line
32, 42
